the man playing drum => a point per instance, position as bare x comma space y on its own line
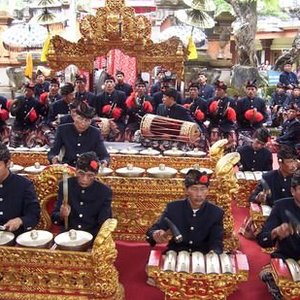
89, 200
198, 221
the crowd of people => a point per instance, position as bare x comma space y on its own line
45, 105
68, 117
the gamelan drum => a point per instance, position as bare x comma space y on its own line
74, 240
35, 239
6, 238
162, 128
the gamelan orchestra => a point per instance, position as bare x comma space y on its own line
148, 163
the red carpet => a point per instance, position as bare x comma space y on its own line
132, 259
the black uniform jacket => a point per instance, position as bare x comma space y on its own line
18, 199
90, 206
76, 143
176, 111
22, 121
290, 133
219, 119
201, 230
243, 105
280, 187
255, 160
125, 87
290, 246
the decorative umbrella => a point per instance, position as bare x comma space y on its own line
203, 5
24, 37
183, 32
195, 18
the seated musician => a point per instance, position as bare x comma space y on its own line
61, 107
199, 222
171, 109
89, 200
278, 232
77, 138
19, 207
27, 111
290, 134
278, 181
222, 116
137, 105
256, 157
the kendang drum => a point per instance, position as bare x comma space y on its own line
212, 276
161, 128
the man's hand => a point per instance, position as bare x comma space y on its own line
64, 211
55, 160
13, 224
104, 163
281, 232
261, 198
161, 236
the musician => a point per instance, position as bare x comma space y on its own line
171, 109
287, 77
196, 104
121, 85
27, 111
89, 200
199, 222
53, 95
251, 110
80, 90
157, 98
222, 115
77, 138
278, 181
61, 107
278, 232
290, 134
137, 105
256, 157
206, 91
279, 100
156, 87
19, 207
4, 116
111, 104
41, 85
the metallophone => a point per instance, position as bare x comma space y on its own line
195, 275
287, 277
41, 274
247, 182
